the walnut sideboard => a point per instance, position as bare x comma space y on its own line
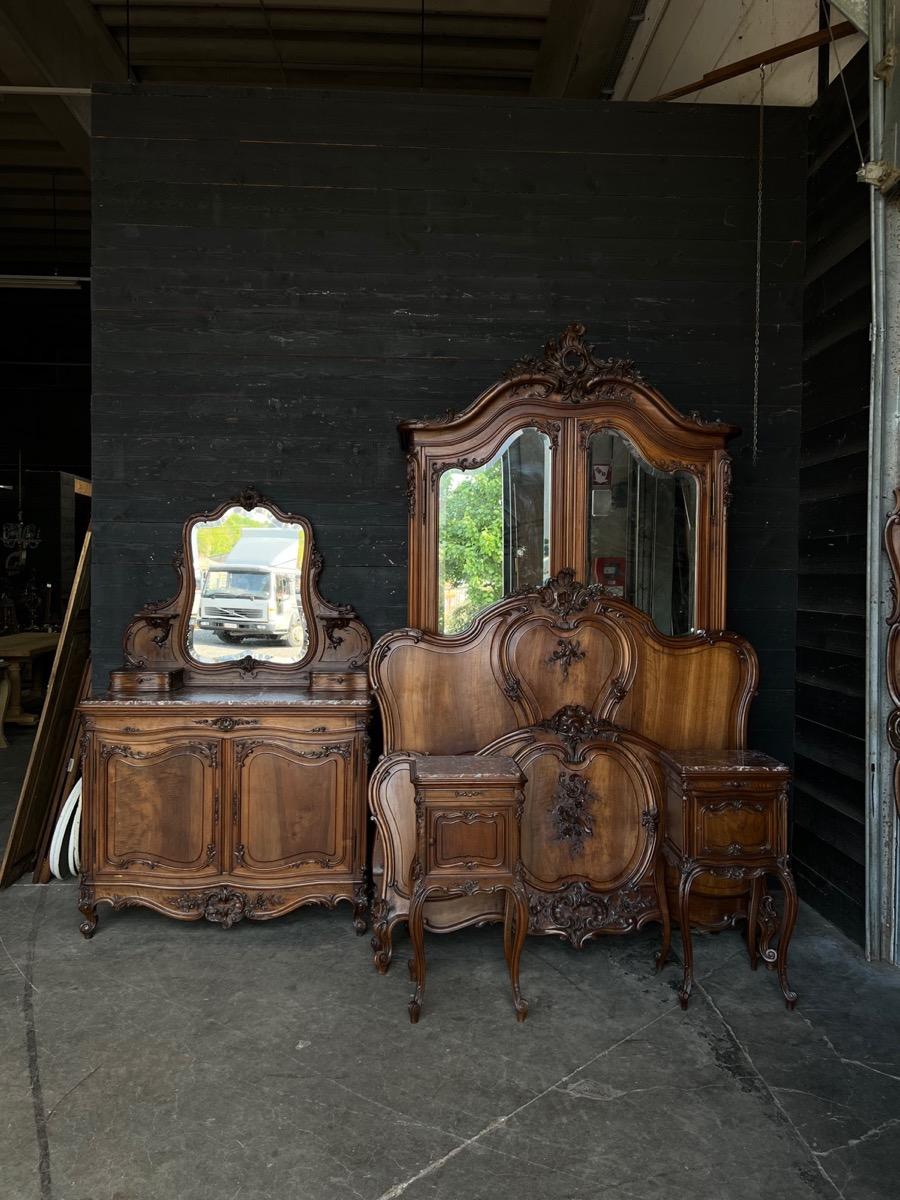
217, 784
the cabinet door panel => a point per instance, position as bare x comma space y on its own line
160, 806
292, 806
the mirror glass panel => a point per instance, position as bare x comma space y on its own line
494, 529
248, 597
642, 532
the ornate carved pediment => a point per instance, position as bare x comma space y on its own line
570, 363
250, 498
564, 595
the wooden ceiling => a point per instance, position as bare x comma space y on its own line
551, 48
495, 46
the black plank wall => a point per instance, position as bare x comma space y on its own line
829, 793
279, 277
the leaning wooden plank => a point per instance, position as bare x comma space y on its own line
49, 746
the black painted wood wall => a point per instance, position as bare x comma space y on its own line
829, 789
279, 277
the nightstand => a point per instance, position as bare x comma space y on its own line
726, 815
468, 821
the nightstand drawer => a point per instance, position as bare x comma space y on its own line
471, 840
735, 825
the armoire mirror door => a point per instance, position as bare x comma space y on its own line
493, 528
641, 531
570, 461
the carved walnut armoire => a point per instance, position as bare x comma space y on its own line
225, 769
592, 652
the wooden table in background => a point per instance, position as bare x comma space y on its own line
17, 649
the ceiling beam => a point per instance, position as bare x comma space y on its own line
763, 58
579, 42
59, 43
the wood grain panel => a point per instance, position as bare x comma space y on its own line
282, 823
159, 805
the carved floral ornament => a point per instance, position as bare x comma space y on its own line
226, 906
578, 913
571, 366
567, 652
563, 594
569, 814
575, 725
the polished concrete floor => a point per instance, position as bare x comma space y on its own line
164, 1061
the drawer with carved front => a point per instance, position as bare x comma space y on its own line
735, 823
470, 840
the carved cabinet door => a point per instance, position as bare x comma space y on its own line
293, 806
157, 806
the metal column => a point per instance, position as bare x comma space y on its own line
883, 172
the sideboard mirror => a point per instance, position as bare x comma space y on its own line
569, 462
248, 611
248, 594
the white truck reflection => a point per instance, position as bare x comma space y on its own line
254, 591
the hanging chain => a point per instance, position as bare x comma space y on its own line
758, 298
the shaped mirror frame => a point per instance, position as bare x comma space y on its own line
248, 572
156, 645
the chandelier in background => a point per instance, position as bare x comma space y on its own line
18, 537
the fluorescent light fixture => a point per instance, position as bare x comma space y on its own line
60, 282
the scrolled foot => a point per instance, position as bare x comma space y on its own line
521, 1010
684, 992
382, 936
382, 961
360, 918
415, 1008
88, 909
790, 996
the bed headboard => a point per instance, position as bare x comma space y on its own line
562, 646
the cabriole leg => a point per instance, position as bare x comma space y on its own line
756, 889
788, 921
417, 966
660, 879
684, 920
516, 910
